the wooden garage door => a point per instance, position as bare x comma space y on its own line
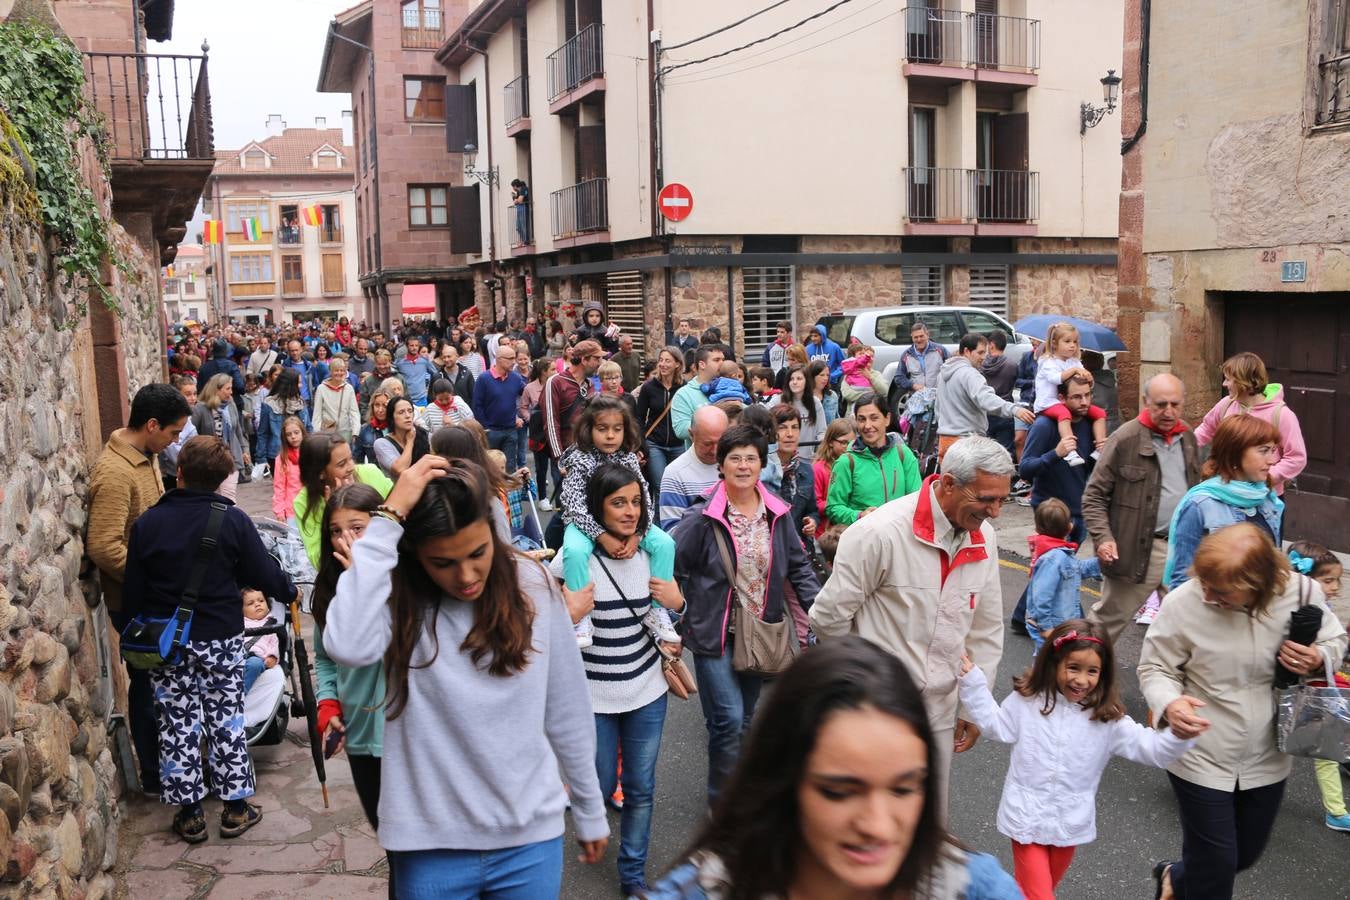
1305, 342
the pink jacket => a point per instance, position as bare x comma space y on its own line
1292, 456
855, 370
285, 485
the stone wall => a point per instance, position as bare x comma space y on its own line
826, 289
1087, 292
58, 782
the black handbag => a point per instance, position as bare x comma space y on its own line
151, 643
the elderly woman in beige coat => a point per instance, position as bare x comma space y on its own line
1210, 657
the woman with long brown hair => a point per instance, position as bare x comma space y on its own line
467, 628
654, 399
326, 465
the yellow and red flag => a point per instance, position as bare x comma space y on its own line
253, 228
312, 215
211, 233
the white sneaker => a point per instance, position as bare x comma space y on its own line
585, 632
1096, 454
545, 505
658, 622
1073, 459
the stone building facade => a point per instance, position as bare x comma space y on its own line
1233, 232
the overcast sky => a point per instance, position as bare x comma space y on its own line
264, 59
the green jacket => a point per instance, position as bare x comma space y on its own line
311, 527
861, 480
361, 693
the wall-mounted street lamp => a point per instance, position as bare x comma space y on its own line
1089, 115
489, 176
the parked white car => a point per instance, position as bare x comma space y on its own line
887, 330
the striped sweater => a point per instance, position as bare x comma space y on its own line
622, 665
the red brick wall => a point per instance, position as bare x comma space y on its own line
1130, 257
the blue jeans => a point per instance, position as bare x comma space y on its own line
638, 734
522, 447
728, 698
658, 457
529, 872
504, 439
253, 667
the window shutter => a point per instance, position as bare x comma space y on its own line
466, 231
461, 117
332, 273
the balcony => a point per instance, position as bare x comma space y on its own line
576, 69
520, 221
290, 235
156, 110
423, 26
330, 232
516, 102
998, 202
947, 46
581, 214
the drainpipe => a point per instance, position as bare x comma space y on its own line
492, 209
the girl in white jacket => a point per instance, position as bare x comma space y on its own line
1065, 722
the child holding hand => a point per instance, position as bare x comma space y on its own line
1065, 722
1058, 364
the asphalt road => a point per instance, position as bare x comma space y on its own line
1136, 824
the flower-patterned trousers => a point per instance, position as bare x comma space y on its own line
203, 694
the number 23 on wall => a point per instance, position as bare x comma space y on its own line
1270, 256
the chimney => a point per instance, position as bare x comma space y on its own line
347, 119
320, 122
275, 124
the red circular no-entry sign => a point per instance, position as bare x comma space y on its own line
675, 202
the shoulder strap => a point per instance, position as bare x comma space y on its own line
206, 551
634, 613
725, 554
652, 427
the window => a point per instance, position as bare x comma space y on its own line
237, 212
171, 286
289, 232
330, 223
327, 159
1333, 64
424, 99
921, 285
332, 274
894, 329
767, 301
250, 267
255, 159
422, 24
189, 286
292, 275
988, 290
427, 205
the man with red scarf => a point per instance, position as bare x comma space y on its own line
1144, 469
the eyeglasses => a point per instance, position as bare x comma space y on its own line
741, 460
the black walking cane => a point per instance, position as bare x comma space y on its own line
307, 698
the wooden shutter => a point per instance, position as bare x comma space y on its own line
590, 152
461, 117
466, 230
332, 274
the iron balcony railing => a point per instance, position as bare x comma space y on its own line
516, 99
1333, 90
581, 208
520, 219
154, 106
289, 234
933, 35
422, 27
1003, 42
577, 61
959, 196
951, 37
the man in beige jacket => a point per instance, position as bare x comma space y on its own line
919, 578
124, 483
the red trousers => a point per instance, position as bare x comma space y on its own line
1038, 868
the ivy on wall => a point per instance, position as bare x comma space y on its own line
42, 92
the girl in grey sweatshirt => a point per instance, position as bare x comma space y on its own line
487, 694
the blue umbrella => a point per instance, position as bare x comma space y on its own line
1091, 335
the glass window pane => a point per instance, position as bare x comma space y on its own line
438, 215
419, 215
417, 197
438, 196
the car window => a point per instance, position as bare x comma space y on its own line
894, 328
837, 328
983, 323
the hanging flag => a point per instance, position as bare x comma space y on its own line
211, 233
312, 215
168, 271
253, 229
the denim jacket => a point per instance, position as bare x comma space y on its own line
1200, 516
1053, 596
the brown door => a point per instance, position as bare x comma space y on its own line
1003, 192
986, 33
1305, 343
922, 202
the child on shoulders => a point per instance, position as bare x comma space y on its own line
1058, 364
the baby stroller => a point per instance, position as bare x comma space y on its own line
286, 689
919, 425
